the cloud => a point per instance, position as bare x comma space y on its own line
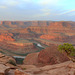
42, 15
46, 2
3, 7
13, 2
26, 0
10, 2
66, 12
16, 4
45, 10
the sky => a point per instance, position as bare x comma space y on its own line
51, 10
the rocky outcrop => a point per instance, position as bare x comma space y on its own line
47, 56
4, 69
31, 59
5, 59
66, 68
20, 72
25, 67
6, 63
63, 69
51, 55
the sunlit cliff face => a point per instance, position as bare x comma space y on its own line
6, 37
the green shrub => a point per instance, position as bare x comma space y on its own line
68, 49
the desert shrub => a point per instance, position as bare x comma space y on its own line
12, 62
68, 49
23, 68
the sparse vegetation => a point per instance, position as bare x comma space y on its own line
12, 62
68, 49
23, 68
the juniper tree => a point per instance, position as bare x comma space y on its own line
68, 49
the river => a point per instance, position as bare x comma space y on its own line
19, 59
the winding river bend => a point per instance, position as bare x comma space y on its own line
19, 59
38, 45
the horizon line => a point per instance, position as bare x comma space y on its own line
38, 20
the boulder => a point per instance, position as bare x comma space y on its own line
3, 69
31, 59
51, 55
6, 59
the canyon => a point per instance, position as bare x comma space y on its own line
22, 36
35, 44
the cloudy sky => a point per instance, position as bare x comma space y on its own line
54, 10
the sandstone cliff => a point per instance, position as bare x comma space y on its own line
24, 24
6, 37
